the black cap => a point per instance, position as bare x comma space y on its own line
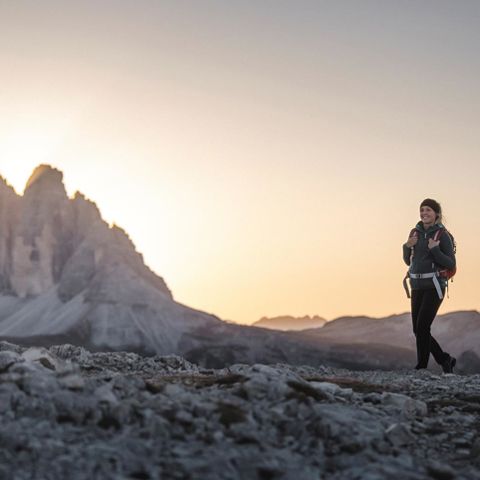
433, 204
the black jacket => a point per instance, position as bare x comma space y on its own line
427, 260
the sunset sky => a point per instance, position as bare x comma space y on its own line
267, 157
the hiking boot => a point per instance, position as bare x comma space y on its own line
448, 364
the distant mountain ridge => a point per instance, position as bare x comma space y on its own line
288, 322
457, 332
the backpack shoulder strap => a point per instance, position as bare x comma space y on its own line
439, 233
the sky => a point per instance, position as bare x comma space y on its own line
267, 157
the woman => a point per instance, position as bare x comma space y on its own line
428, 250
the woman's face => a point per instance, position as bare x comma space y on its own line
427, 215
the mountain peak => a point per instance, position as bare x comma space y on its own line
288, 322
64, 271
45, 174
5, 186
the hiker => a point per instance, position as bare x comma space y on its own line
430, 254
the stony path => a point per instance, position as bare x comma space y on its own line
66, 413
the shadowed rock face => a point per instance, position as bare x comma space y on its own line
42, 235
65, 272
9, 209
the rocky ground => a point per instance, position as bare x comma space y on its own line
66, 413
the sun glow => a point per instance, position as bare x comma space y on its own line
22, 148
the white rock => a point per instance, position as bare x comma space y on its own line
43, 357
326, 387
105, 394
8, 358
399, 434
333, 389
409, 407
173, 390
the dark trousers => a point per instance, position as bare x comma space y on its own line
425, 304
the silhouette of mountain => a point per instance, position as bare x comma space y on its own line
66, 274
288, 322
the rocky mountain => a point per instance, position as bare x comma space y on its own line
70, 413
65, 274
288, 322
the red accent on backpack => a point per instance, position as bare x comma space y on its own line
447, 273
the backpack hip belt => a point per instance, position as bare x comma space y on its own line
434, 276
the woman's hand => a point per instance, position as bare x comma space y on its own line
412, 241
432, 243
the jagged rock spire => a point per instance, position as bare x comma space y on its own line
45, 174
74, 274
